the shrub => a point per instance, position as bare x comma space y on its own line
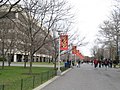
1, 59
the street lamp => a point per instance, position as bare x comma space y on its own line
71, 54
59, 71
119, 51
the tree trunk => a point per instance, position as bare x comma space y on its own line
9, 60
25, 60
25, 63
3, 62
3, 55
55, 64
31, 59
117, 56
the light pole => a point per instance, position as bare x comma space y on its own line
59, 71
119, 52
75, 60
71, 55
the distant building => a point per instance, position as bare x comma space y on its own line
11, 28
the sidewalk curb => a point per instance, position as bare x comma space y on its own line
50, 81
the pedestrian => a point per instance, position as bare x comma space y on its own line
106, 63
95, 63
102, 63
73, 63
114, 63
110, 63
99, 61
79, 64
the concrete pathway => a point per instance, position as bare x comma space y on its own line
34, 65
87, 78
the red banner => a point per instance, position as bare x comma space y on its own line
77, 52
74, 49
81, 56
63, 42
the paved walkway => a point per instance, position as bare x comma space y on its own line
22, 64
87, 78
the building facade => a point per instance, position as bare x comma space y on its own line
14, 42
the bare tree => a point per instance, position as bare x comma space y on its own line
107, 38
110, 29
94, 51
38, 18
116, 29
7, 39
73, 39
10, 4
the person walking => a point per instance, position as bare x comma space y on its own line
99, 61
95, 63
110, 63
106, 62
102, 63
79, 64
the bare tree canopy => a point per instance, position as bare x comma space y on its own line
11, 5
110, 34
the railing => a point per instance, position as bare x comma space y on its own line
28, 83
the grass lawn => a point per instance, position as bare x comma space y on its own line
16, 73
15, 78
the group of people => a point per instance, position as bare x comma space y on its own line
70, 63
103, 63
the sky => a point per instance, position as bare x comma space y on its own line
89, 14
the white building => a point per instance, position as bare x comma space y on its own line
11, 28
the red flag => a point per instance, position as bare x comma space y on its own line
79, 55
77, 52
74, 49
63, 42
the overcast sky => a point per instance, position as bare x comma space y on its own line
89, 15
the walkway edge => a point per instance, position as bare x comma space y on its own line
51, 80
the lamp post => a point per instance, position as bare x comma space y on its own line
75, 60
71, 55
59, 71
119, 52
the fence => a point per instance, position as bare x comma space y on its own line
28, 83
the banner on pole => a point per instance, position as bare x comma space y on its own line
74, 49
79, 54
63, 42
